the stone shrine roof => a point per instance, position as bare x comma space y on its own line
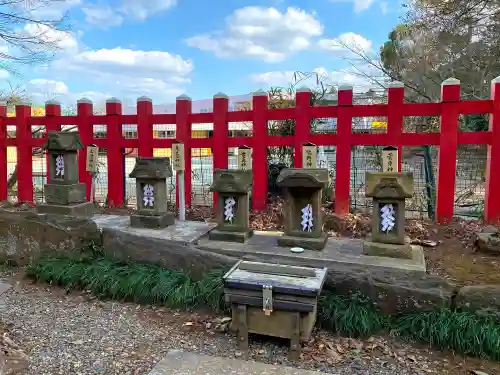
63, 141
152, 168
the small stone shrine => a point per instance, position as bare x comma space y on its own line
64, 195
274, 300
389, 191
303, 217
151, 185
233, 187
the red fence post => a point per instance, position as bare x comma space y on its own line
145, 126
52, 123
492, 183
116, 170
259, 152
3, 152
183, 134
447, 158
395, 101
24, 154
221, 134
302, 124
343, 151
86, 131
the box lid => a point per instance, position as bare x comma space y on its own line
294, 280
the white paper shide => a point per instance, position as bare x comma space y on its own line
387, 218
307, 219
60, 166
148, 196
229, 204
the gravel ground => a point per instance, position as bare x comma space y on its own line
77, 334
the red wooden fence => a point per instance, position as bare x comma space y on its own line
395, 110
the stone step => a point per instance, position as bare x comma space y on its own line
178, 362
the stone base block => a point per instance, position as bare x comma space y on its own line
62, 194
308, 243
86, 209
222, 235
388, 250
152, 222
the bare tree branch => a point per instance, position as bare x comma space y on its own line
26, 37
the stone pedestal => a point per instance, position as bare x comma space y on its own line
389, 191
233, 187
303, 217
151, 186
64, 195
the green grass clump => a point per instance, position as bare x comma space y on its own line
138, 283
464, 332
354, 316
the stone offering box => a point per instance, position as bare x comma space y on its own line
274, 300
303, 216
64, 195
389, 191
233, 187
151, 185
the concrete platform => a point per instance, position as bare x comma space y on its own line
181, 231
263, 246
182, 363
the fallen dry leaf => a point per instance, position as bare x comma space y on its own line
333, 357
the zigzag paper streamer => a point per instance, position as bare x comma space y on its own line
229, 204
60, 165
307, 219
148, 195
388, 218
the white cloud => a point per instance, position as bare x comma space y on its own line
46, 86
142, 9
4, 74
53, 10
64, 41
4, 48
102, 16
384, 7
347, 44
40, 90
127, 62
347, 76
261, 33
130, 72
149, 87
359, 5
275, 78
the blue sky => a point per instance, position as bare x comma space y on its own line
164, 48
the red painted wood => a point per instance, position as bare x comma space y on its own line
395, 119
183, 132
24, 154
3, 153
302, 125
145, 127
86, 131
220, 137
447, 158
492, 183
343, 152
52, 123
448, 139
116, 170
259, 152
